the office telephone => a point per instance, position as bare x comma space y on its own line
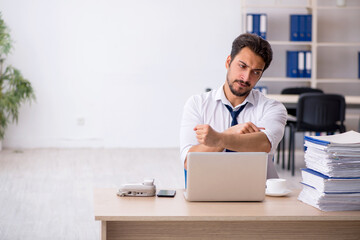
144, 189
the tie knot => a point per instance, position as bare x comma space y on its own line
235, 114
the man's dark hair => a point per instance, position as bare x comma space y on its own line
258, 45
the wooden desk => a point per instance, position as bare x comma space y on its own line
175, 218
290, 100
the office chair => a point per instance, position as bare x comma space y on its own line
298, 91
317, 112
291, 120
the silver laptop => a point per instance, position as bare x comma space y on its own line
226, 176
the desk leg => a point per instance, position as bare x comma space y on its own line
103, 230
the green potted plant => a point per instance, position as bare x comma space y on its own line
14, 88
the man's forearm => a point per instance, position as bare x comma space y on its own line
244, 137
251, 142
202, 148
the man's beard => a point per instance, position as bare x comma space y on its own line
238, 93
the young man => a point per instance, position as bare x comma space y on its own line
235, 117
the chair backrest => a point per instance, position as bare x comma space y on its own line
299, 90
321, 112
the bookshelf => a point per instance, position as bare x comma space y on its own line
322, 45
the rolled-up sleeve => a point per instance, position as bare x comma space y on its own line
273, 120
190, 118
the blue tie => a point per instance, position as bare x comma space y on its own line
234, 115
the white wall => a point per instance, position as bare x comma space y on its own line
124, 67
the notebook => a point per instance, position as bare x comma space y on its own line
226, 176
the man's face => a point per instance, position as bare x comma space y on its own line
244, 71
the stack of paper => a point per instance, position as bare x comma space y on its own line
332, 177
328, 184
330, 201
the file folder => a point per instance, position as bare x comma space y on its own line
301, 64
302, 27
308, 66
308, 22
292, 64
331, 179
330, 201
294, 27
256, 24
349, 139
263, 25
249, 23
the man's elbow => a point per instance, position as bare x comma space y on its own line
266, 145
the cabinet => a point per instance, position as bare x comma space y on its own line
335, 43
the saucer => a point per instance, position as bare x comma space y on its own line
278, 194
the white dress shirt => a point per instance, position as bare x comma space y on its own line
209, 108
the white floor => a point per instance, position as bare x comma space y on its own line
47, 193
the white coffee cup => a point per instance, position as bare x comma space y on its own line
276, 185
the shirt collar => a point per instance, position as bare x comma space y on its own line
220, 96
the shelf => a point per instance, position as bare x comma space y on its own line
319, 80
284, 79
339, 8
338, 44
319, 44
319, 22
277, 6
338, 80
290, 43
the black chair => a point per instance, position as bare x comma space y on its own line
290, 123
317, 112
298, 91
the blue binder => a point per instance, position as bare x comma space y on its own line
302, 27
308, 29
308, 64
256, 24
316, 141
325, 176
301, 64
292, 64
253, 23
294, 27
263, 25
249, 23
